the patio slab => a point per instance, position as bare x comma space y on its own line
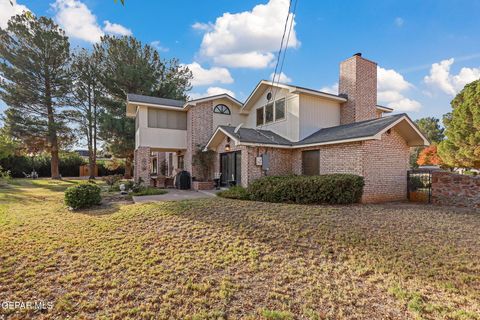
175, 195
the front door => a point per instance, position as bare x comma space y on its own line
230, 167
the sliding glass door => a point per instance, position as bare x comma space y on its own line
231, 168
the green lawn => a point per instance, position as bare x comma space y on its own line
218, 258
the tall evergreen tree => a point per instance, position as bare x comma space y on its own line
128, 66
430, 127
462, 146
86, 92
34, 69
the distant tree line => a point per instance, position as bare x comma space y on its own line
57, 97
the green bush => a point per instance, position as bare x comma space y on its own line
148, 191
329, 188
236, 192
83, 195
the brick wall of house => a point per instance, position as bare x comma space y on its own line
358, 81
385, 165
280, 161
335, 158
199, 130
455, 189
142, 164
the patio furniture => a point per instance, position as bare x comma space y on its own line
218, 176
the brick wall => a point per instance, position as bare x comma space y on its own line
280, 161
199, 130
142, 164
358, 81
385, 165
455, 189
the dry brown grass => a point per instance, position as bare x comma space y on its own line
220, 258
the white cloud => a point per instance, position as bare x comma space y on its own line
211, 91
203, 77
157, 45
441, 78
333, 89
79, 22
116, 29
399, 22
391, 89
247, 39
7, 11
283, 78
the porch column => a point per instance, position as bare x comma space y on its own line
142, 165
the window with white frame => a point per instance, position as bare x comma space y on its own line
280, 109
259, 116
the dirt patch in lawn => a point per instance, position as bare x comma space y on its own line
218, 258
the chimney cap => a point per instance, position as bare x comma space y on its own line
358, 54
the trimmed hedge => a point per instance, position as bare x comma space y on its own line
236, 192
83, 195
329, 189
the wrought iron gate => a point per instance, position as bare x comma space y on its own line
419, 185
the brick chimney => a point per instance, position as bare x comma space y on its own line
358, 82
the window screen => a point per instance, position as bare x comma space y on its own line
280, 109
259, 116
167, 119
311, 162
269, 112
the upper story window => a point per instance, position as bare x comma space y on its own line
273, 111
167, 119
269, 113
280, 109
221, 109
259, 116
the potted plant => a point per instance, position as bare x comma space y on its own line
203, 160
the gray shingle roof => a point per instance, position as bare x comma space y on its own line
355, 130
250, 135
131, 97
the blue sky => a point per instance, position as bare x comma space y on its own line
426, 50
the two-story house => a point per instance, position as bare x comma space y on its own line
283, 129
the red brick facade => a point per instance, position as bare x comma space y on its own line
199, 130
455, 190
358, 81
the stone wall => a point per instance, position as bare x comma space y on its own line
455, 189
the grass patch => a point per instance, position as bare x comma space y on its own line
219, 258
149, 192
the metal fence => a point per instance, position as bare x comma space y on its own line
419, 185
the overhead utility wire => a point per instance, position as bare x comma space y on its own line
281, 45
286, 46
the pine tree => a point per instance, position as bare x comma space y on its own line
462, 146
34, 69
85, 97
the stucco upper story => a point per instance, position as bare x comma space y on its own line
292, 112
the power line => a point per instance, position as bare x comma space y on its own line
281, 45
286, 45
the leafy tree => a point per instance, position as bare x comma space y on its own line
429, 156
85, 96
431, 128
34, 65
128, 66
8, 146
462, 146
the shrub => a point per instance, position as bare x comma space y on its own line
112, 179
329, 188
415, 183
5, 177
83, 196
144, 191
236, 192
128, 185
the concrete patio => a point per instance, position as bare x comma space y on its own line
176, 195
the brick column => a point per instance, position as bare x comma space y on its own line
142, 165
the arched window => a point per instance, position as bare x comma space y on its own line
222, 109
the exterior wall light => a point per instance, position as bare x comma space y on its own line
227, 146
